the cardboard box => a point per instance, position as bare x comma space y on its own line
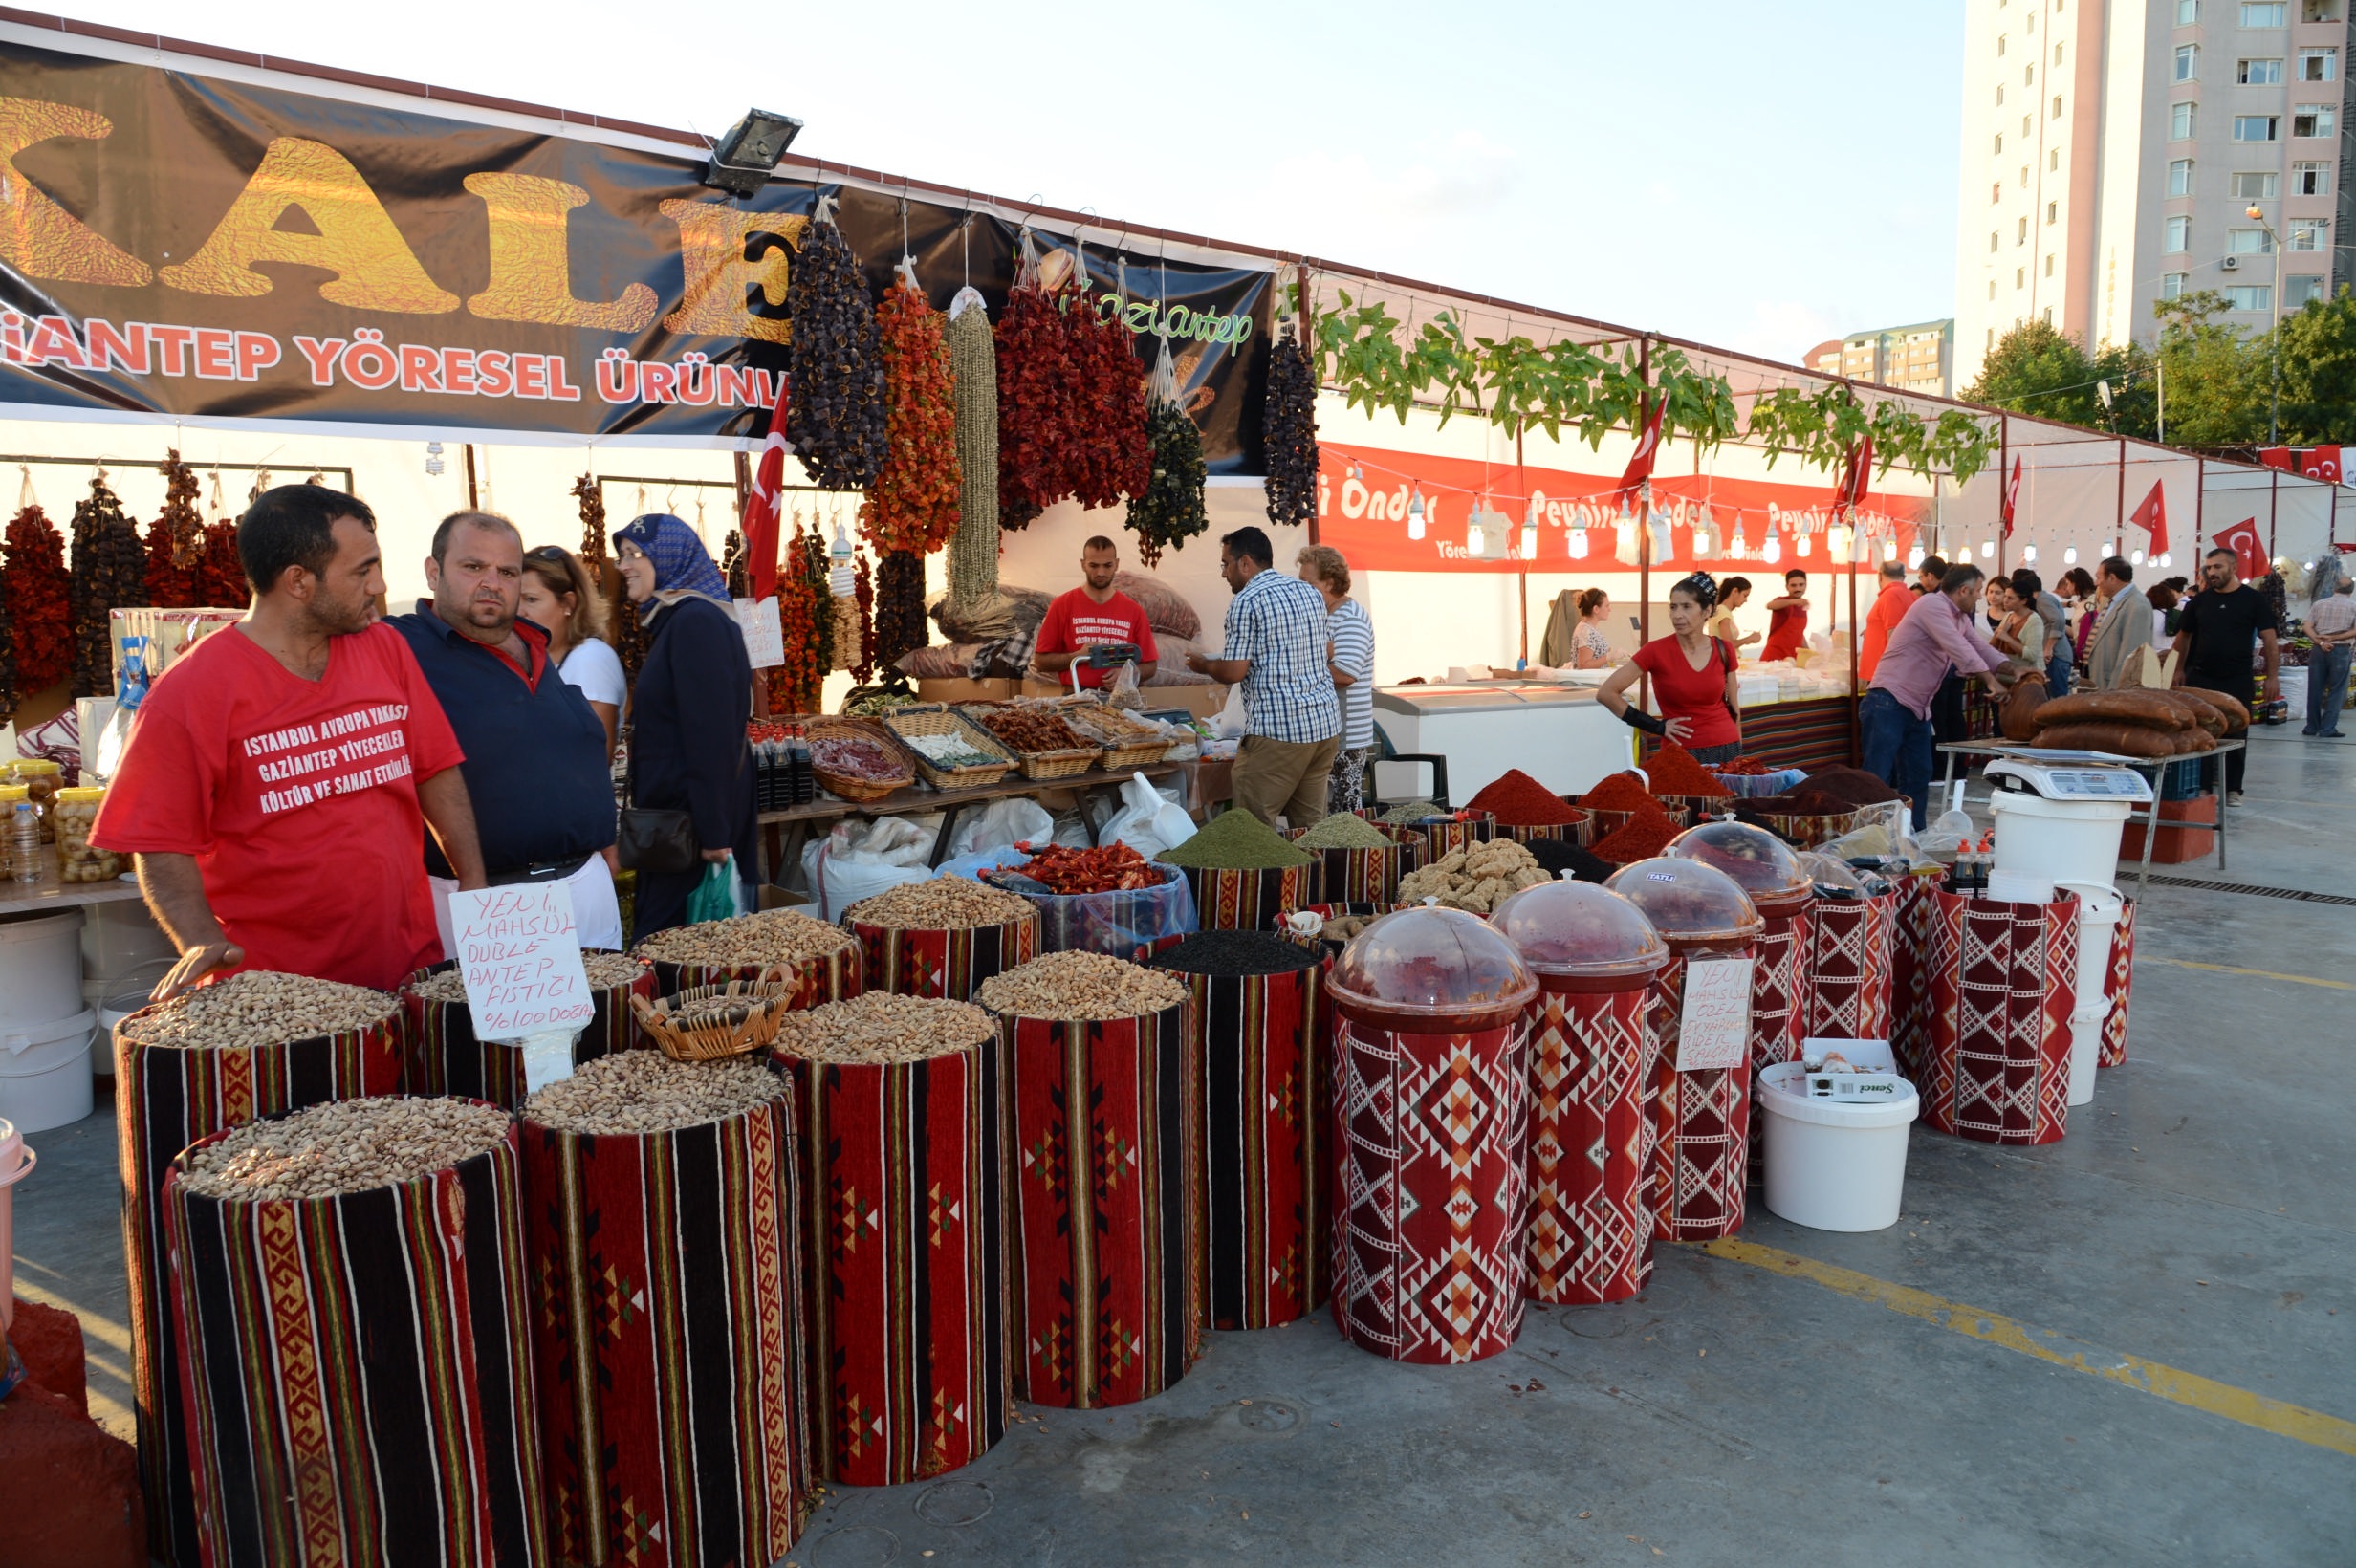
984, 691
1199, 701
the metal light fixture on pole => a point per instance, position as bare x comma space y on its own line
2274, 414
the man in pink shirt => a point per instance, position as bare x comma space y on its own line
1935, 637
1094, 615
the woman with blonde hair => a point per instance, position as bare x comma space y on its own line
562, 597
1350, 658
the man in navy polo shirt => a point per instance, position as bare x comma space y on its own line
534, 749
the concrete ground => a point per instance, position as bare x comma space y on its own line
2136, 1346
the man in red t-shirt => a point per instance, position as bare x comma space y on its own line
1094, 615
279, 776
1889, 607
1787, 619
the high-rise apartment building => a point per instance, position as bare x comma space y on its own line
2112, 150
1914, 358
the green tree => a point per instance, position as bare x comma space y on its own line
2037, 368
2318, 372
2213, 380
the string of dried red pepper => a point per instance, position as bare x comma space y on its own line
39, 591
913, 504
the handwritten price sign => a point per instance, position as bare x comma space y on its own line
1715, 1029
520, 954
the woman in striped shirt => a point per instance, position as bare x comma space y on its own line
1349, 657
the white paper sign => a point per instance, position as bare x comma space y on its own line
520, 954
1715, 1029
764, 632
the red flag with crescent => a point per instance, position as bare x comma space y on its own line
1855, 475
761, 506
1648, 445
2247, 546
2323, 463
2151, 516
2012, 497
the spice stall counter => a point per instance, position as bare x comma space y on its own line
1558, 734
1965, 753
783, 833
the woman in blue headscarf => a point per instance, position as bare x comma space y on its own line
687, 712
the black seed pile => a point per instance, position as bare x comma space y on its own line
1235, 953
1557, 856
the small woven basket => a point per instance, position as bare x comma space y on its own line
850, 787
1128, 744
1063, 764
712, 1023
939, 719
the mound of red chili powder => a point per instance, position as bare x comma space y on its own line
1621, 791
1520, 801
1646, 833
1672, 771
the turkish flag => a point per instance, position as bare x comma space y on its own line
761, 506
2247, 546
2323, 463
2274, 457
1855, 474
2012, 498
1648, 445
2151, 516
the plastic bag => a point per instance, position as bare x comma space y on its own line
1229, 723
1120, 691
1946, 837
1117, 923
714, 897
857, 861
1009, 822
1147, 820
983, 859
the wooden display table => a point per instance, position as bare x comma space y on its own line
49, 895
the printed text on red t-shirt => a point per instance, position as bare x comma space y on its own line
316, 748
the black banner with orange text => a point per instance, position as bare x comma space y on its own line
193, 246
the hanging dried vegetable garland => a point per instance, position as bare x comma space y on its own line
622, 615
839, 423
1110, 457
7, 666
899, 608
39, 591
220, 576
865, 597
1035, 392
914, 502
974, 360
110, 573
735, 567
168, 586
175, 539
1288, 430
806, 614
1170, 511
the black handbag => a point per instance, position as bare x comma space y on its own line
654, 841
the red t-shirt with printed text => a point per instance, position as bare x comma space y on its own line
298, 798
1074, 622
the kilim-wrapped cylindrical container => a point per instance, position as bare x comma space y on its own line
1581, 833
166, 1097
1106, 1141
1432, 1259
1603, 824
1851, 967
1263, 1178
356, 1369
668, 1336
1779, 984
1701, 1115
946, 963
820, 963
905, 1236
1591, 1050
1804, 830
1437, 836
1693, 810
446, 1058
1992, 1062
1354, 876
1909, 996
2118, 987
1250, 900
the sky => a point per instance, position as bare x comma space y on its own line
1757, 176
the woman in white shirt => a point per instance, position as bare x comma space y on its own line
1350, 661
560, 596
1590, 644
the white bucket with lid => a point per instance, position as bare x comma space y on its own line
2099, 909
1834, 1165
40, 968
45, 1072
2057, 840
16, 1164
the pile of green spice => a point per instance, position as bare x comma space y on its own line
1413, 810
1343, 831
1236, 840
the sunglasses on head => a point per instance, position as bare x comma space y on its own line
545, 553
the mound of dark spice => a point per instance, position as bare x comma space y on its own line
1559, 855
1235, 953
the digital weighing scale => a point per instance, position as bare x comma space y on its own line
2070, 775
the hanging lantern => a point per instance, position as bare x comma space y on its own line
1358, 475
2136, 559
1415, 512
1804, 542
1772, 551
2028, 554
1529, 531
1578, 544
1987, 549
2069, 555
1738, 547
1890, 549
1475, 538
1915, 557
1837, 542
1663, 542
1701, 536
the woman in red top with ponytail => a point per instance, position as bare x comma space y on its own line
1693, 678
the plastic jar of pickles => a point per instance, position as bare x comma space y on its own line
72, 811
11, 795
43, 778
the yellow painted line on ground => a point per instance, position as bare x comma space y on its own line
2257, 974
2217, 1399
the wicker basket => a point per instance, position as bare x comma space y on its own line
1128, 744
940, 719
859, 790
1062, 764
712, 1023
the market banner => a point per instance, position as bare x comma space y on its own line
194, 247
1364, 494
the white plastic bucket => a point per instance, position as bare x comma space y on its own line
2019, 886
2058, 840
2099, 907
1833, 1165
40, 969
119, 937
16, 1164
45, 1072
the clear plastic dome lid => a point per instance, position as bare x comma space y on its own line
1831, 871
1579, 928
1688, 901
1762, 864
1429, 965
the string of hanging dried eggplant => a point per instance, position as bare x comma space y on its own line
914, 501
839, 420
39, 591
175, 539
899, 628
1169, 511
974, 361
863, 599
1288, 430
1034, 394
733, 567
110, 573
622, 626
1111, 455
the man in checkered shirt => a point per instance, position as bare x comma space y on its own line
1278, 647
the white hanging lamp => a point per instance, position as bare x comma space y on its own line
1415, 512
